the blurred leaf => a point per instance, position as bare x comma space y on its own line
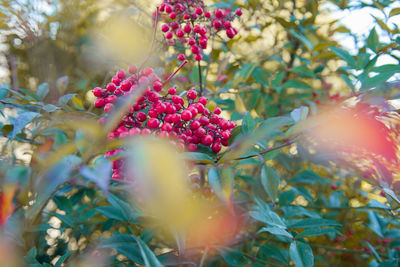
394, 12
42, 90
317, 231
199, 157
100, 174
62, 259
124, 244
150, 260
373, 40
310, 223
343, 54
296, 84
248, 123
276, 231
301, 254
299, 114
270, 180
22, 120
63, 100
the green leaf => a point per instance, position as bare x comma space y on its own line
3, 93
387, 68
296, 84
100, 174
301, 254
62, 259
262, 213
22, 120
248, 123
299, 114
198, 157
68, 220
394, 12
270, 180
317, 231
42, 90
111, 213
150, 260
50, 108
276, 231
124, 244
310, 223
214, 179
343, 54
376, 80
63, 100
373, 40
375, 224
124, 208
303, 39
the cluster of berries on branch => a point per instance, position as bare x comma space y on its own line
187, 22
185, 119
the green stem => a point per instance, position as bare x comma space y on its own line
200, 78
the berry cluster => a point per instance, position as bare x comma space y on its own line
186, 120
188, 23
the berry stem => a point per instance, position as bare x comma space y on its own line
175, 72
200, 79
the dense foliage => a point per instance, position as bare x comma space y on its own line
282, 146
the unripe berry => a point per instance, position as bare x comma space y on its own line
97, 92
99, 103
191, 94
164, 28
186, 115
153, 123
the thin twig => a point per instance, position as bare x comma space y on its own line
200, 78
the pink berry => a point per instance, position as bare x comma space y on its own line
145, 131
108, 107
191, 94
217, 111
186, 115
191, 147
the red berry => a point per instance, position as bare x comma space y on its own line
191, 41
204, 120
145, 131
217, 24
121, 74
153, 123
207, 14
191, 94
172, 15
161, 108
164, 28
180, 33
203, 100
230, 33
200, 132
186, 115
191, 147
186, 16
141, 116
177, 99
166, 127
168, 8
157, 86
111, 99
198, 11
97, 92
187, 28
207, 140
195, 49
216, 147
168, 35
238, 12
111, 87
333, 186
172, 90
198, 57
99, 103
227, 24
125, 86
181, 57
153, 113
219, 13
217, 111
214, 119
195, 125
